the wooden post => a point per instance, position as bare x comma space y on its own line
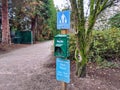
64, 31
64, 85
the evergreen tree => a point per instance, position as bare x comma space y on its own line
39, 14
5, 23
52, 19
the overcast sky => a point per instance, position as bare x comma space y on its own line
61, 3
58, 2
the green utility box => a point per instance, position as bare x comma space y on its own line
23, 37
26, 37
17, 38
61, 46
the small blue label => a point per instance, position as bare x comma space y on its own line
63, 19
63, 70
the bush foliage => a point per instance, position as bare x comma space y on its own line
105, 45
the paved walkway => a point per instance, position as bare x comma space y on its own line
23, 69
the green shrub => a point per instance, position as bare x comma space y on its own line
106, 45
107, 64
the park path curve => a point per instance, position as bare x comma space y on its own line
24, 69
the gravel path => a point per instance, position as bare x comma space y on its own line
33, 68
28, 68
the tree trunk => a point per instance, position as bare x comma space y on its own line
81, 64
80, 69
81, 54
84, 32
33, 27
6, 39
